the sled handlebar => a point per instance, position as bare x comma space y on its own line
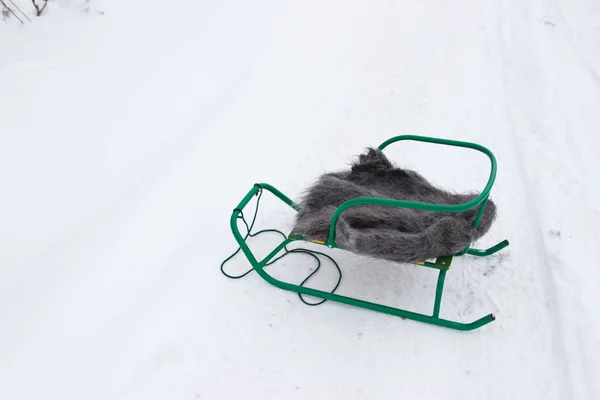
455, 143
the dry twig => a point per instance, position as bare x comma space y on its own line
37, 8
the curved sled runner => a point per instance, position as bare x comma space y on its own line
475, 209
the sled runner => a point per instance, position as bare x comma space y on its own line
378, 210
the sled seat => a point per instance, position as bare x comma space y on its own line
382, 211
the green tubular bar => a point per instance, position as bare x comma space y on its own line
490, 251
439, 289
442, 264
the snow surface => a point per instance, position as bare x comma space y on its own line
129, 131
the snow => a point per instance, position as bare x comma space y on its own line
130, 130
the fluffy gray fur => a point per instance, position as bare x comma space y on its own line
391, 233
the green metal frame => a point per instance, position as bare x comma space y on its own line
442, 263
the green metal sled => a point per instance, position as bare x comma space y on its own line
442, 264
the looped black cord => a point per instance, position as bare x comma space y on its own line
312, 253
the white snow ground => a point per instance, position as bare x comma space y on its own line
126, 139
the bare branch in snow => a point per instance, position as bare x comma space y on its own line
39, 9
7, 10
19, 10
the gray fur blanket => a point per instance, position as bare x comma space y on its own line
391, 233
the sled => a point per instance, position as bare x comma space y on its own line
442, 263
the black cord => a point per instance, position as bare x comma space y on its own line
311, 253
